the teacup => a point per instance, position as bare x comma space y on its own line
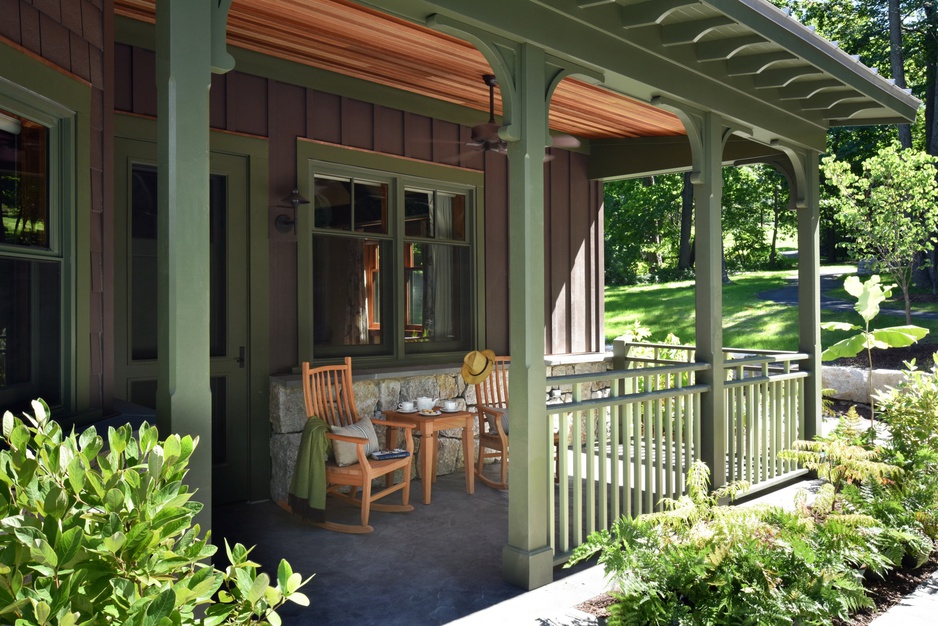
449, 405
406, 406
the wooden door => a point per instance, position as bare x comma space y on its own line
136, 306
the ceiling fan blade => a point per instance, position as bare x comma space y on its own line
564, 141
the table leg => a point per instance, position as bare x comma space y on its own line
428, 445
468, 454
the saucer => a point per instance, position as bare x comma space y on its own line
414, 410
456, 410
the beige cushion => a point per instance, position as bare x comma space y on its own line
491, 418
345, 452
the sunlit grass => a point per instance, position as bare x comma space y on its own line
748, 321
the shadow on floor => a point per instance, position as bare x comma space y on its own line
433, 565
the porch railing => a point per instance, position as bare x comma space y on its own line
764, 403
624, 439
620, 453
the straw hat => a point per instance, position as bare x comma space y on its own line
477, 366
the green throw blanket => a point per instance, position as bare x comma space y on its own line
308, 488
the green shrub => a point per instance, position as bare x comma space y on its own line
698, 562
90, 535
911, 410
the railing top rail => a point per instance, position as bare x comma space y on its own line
759, 359
566, 379
658, 394
653, 344
755, 380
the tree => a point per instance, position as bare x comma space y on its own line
890, 211
754, 201
642, 226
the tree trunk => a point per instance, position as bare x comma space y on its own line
685, 256
773, 252
931, 53
896, 64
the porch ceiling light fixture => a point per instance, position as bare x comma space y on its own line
284, 223
9, 125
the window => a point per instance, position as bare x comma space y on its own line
32, 260
392, 262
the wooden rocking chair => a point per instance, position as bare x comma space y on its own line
329, 395
492, 401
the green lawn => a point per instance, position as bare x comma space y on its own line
748, 322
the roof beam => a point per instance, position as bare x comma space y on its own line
781, 77
720, 49
691, 32
589, 4
807, 88
847, 109
651, 12
824, 101
755, 63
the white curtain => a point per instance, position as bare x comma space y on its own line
443, 270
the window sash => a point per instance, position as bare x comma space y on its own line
396, 333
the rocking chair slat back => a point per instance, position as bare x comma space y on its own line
493, 391
332, 397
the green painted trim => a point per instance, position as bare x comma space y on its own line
67, 101
310, 153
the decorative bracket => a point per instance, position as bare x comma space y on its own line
505, 58
222, 61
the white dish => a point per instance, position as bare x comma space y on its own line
456, 410
407, 410
429, 413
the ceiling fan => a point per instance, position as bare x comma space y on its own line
486, 138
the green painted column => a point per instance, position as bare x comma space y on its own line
809, 292
708, 196
183, 67
527, 560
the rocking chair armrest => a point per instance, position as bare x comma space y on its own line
496, 413
406, 427
361, 441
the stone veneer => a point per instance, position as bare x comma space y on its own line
375, 393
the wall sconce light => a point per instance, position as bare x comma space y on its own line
284, 223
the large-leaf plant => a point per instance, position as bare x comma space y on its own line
869, 296
94, 534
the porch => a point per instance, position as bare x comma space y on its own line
631, 432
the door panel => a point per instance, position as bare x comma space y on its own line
136, 306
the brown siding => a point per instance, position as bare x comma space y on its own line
283, 112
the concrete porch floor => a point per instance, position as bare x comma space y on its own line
439, 563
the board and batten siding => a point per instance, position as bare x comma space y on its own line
255, 105
76, 38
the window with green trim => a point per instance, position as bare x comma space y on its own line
392, 263
32, 255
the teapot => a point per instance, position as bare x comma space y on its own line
426, 404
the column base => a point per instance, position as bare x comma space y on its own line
528, 569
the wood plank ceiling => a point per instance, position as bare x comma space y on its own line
349, 39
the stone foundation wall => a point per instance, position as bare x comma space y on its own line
850, 383
377, 393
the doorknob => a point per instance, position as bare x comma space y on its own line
240, 358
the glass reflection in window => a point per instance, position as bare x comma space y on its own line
24, 182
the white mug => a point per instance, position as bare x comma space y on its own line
449, 405
406, 406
